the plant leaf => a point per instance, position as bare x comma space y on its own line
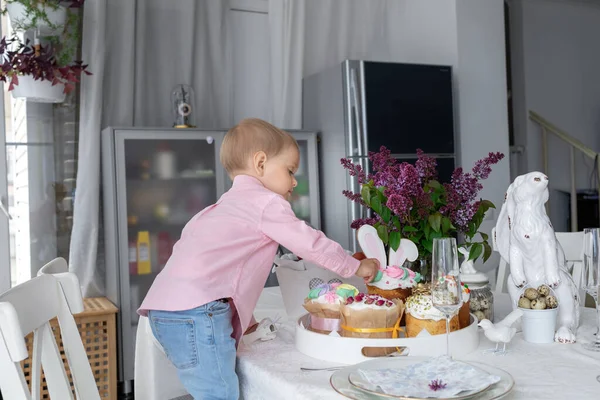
408, 228
376, 204
382, 231
446, 224
395, 240
435, 220
365, 193
386, 214
484, 236
487, 251
476, 250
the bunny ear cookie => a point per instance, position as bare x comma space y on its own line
371, 245
407, 250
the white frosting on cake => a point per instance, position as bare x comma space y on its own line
393, 277
421, 307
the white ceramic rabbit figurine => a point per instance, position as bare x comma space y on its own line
525, 239
466, 267
373, 247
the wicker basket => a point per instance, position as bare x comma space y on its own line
97, 328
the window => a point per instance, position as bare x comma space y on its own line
41, 166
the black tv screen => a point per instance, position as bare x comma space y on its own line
409, 106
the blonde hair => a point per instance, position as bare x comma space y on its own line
249, 136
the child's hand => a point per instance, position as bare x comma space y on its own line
368, 269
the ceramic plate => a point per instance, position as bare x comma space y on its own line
356, 379
340, 380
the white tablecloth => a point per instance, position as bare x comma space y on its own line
271, 370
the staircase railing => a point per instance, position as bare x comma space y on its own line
574, 144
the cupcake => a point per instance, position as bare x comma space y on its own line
394, 282
362, 313
323, 303
424, 319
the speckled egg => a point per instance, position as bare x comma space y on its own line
485, 304
551, 302
479, 315
524, 302
474, 304
543, 290
538, 304
531, 294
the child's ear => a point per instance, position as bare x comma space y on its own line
259, 161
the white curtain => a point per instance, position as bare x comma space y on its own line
138, 51
308, 36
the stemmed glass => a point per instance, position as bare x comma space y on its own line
446, 292
591, 276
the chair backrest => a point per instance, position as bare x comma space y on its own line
572, 245
29, 307
56, 266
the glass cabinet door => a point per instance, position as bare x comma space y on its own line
305, 198
166, 182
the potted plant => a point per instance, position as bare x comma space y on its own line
47, 17
33, 71
407, 201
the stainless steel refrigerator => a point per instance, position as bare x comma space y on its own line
154, 181
359, 106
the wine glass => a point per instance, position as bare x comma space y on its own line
446, 292
591, 276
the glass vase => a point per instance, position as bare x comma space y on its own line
422, 265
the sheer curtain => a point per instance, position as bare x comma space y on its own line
308, 36
138, 50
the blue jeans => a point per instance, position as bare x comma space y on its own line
199, 343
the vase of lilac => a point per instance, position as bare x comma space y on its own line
408, 201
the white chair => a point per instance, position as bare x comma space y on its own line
56, 266
29, 307
155, 377
572, 244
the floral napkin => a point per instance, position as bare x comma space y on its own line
435, 378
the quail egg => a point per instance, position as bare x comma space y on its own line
551, 302
531, 293
524, 302
538, 304
543, 290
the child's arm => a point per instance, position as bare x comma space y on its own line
281, 224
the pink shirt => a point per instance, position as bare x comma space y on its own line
227, 251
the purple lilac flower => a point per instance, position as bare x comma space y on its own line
482, 168
426, 166
436, 385
356, 197
354, 170
357, 223
400, 205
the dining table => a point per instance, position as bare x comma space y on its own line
272, 369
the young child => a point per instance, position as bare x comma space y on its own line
202, 301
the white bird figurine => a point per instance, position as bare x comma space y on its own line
501, 332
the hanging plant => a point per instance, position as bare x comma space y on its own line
19, 59
55, 20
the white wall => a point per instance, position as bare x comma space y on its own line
482, 98
555, 66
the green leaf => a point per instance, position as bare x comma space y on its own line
382, 197
486, 204
427, 244
476, 250
427, 230
365, 193
376, 204
382, 231
395, 240
408, 228
437, 234
484, 236
435, 220
386, 214
434, 184
487, 251
396, 222
446, 224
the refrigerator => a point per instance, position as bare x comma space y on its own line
154, 181
359, 106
